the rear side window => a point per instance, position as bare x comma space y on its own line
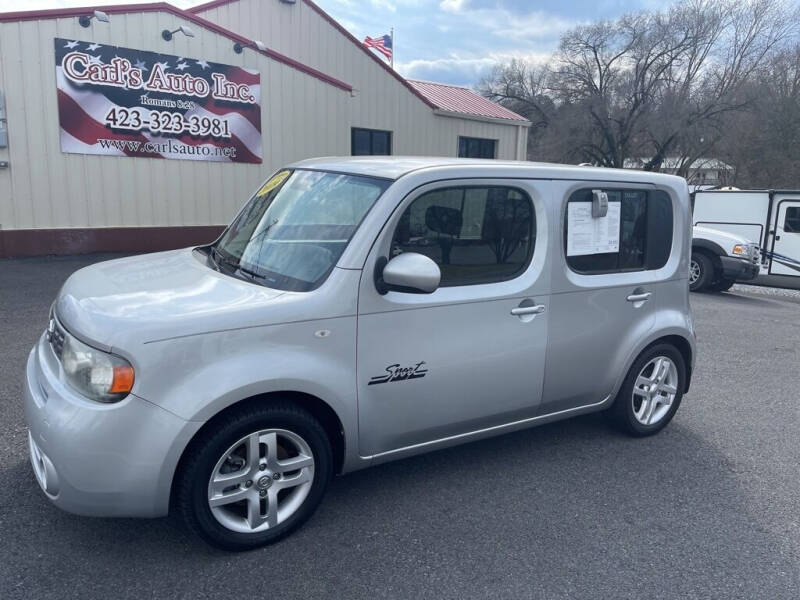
645, 233
475, 234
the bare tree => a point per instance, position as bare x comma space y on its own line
729, 43
614, 72
649, 85
763, 142
521, 87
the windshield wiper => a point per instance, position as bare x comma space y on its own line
250, 272
220, 258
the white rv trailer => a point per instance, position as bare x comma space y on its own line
769, 217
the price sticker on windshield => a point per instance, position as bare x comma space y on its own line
274, 182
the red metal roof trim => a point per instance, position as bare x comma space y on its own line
216, 3
209, 5
463, 100
56, 13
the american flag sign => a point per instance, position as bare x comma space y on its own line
123, 102
382, 44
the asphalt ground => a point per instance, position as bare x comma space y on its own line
709, 508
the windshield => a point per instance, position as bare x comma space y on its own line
293, 231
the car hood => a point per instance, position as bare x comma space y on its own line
718, 236
157, 296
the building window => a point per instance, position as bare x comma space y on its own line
469, 147
370, 141
475, 234
645, 236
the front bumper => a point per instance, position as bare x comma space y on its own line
99, 459
740, 269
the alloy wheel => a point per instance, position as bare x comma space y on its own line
654, 390
694, 271
261, 480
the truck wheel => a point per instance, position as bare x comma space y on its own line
723, 285
258, 474
701, 272
651, 392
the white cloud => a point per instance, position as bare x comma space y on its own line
503, 23
384, 5
462, 70
453, 6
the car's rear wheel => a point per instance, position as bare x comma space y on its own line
651, 393
255, 476
701, 272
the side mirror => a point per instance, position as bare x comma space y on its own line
409, 272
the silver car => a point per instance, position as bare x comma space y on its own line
356, 311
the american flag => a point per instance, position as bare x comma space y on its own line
83, 109
382, 44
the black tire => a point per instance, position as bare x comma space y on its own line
192, 479
723, 285
621, 413
706, 273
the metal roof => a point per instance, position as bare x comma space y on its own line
464, 101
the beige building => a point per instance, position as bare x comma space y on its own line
147, 126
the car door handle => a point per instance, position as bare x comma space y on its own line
643, 297
528, 310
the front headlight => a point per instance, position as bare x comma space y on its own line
95, 374
741, 250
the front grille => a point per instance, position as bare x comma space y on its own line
56, 336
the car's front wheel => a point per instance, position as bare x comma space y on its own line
254, 476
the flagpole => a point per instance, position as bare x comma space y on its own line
391, 35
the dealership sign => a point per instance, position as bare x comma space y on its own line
122, 102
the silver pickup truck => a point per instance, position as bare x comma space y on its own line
356, 311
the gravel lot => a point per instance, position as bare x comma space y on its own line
708, 508
757, 290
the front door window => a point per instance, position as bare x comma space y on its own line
475, 234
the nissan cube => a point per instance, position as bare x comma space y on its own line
356, 311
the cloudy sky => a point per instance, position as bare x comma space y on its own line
455, 41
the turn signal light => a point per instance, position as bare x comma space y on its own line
122, 383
